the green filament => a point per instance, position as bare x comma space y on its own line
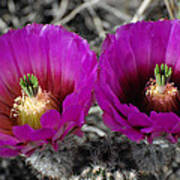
162, 74
29, 85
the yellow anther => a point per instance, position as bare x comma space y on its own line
28, 110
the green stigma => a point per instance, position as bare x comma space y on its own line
29, 85
162, 74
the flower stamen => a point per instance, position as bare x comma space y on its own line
160, 95
33, 103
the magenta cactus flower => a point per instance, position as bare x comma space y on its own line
139, 80
46, 81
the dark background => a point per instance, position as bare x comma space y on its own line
91, 21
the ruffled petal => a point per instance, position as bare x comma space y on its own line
23, 133
137, 119
72, 119
26, 134
83, 98
164, 122
42, 134
132, 134
114, 121
172, 138
8, 140
50, 119
7, 152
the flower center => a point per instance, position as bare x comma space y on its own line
160, 95
34, 102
